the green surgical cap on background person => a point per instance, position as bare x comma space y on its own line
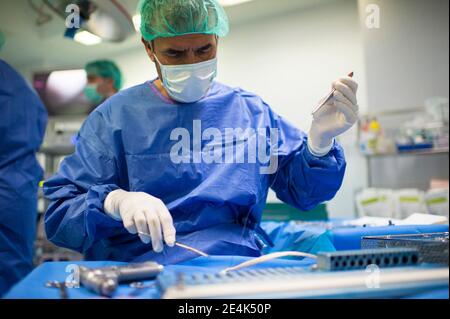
105, 69
171, 18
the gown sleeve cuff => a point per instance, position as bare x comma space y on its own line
98, 193
320, 152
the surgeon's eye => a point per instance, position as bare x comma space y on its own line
205, 50
174, 53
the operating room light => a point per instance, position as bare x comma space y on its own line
87, 38
137, 22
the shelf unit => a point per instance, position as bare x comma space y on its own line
413, 153
417, 162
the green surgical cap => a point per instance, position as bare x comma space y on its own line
105, 69
171, 18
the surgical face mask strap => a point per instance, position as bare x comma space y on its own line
157, 60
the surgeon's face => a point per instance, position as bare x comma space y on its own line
185, 49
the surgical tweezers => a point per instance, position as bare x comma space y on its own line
327, 98
182, 246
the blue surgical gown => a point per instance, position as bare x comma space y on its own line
126, 143
22, 125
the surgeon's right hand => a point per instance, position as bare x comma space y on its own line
142, 214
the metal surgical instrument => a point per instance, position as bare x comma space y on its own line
327, 98
201, 253
61, 286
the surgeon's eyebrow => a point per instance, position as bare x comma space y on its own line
172, 51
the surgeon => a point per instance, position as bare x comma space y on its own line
153, 164
104, 80
22, 125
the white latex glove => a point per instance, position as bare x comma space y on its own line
334, 118
142, 214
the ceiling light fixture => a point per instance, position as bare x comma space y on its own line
87, 38
137, 22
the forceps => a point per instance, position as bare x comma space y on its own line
182, 246
327, 98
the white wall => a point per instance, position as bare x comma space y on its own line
290, 60
407, 62
407, 58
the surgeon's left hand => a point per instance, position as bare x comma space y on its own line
334, 118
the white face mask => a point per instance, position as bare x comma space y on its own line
188, 83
